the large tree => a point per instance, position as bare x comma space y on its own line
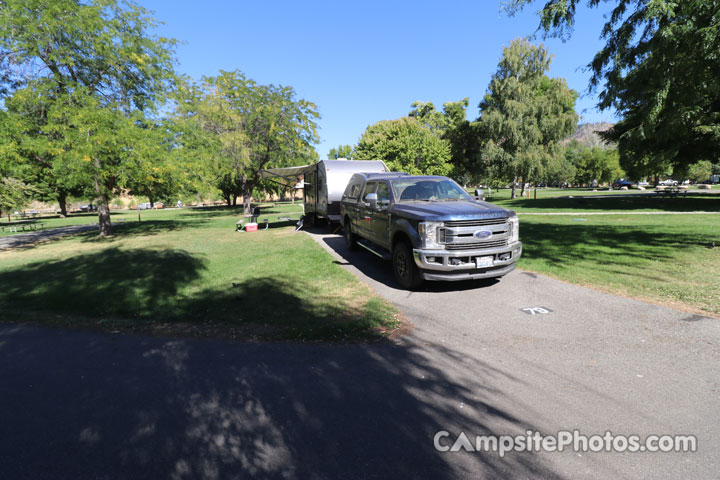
240, 127
659, 69
88, 61
525, 114
406, 145
452, 125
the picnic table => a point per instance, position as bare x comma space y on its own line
23, 225
240, 225
662, 191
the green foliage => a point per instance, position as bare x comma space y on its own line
342, 151
452, 125
525, 114
238, 127
101, 46
406, 145
593, 163
83, 74
659, 70
14, 194
700, 171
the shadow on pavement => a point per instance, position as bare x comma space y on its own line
83, 405
381, 270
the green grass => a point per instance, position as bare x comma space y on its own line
188, 271
662, 258
579, 199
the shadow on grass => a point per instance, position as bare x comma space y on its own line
111, 282
691, 203
605, 244
152, 408
141, 287
132, 228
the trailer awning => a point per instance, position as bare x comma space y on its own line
286, 175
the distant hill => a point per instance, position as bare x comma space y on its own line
587, 136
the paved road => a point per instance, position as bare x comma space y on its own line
86, 405
24, 239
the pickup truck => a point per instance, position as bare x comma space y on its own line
429, 227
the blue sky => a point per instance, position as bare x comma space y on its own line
362, 62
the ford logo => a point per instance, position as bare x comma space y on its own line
483, 234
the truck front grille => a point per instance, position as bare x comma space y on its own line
477, 245
476, 223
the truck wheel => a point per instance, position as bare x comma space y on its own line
350, 237
406, 272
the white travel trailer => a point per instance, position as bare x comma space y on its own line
324, 183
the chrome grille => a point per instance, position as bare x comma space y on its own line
476, 223
477, 245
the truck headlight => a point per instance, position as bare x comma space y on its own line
432, 234
514, 229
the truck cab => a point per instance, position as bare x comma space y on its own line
429, 227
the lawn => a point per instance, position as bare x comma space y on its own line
574, 201
188, 271
666, 259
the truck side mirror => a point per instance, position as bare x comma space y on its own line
371, 200
479, 194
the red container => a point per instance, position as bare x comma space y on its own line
251, 227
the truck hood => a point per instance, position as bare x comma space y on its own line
446, 211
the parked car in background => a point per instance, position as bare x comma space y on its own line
643, 184
622, 183
669, 182
143, 206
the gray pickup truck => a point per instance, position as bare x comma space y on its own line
430, 228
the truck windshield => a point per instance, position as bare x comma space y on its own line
428, 190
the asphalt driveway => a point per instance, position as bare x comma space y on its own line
87, 405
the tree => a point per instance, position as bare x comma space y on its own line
659, 70
36, 149
593, 163
241, 127
700, 172
84, 56
525, 114
14, 194
406, 145
452, 125
342, 151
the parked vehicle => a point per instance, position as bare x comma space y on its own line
429, 227
643, 184
323, 184
669, 182
143, 206
714, 179
622, 183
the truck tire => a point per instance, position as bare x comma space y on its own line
350, 236
407, 274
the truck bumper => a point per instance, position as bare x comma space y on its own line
462, 264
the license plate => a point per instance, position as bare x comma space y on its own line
481, 262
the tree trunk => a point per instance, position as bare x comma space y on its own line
104, 216
234, 200
103, 207
62, 200
512, 195
152, 202
247, 198
522, 189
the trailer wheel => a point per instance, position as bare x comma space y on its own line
407, 273
350, 236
